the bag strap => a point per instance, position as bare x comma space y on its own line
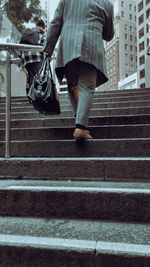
49, 67
46, 66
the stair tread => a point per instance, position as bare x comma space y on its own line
107, 231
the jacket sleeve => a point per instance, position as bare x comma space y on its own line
108, 29
54, 29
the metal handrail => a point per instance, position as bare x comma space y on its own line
10, 48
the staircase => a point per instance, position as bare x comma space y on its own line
65, 204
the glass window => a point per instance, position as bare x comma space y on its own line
126, 27
142, 60
141, 46
122, 3
141, 19
140, 6
131, 57
141, 32
130, 6
142, 74
131, 28
148, 13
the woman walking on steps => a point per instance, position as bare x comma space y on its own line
82, 25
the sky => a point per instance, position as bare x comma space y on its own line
53, 4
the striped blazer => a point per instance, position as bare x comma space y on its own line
82, 25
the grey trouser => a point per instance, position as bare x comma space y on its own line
82, 75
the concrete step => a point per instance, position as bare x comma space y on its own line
106, 231
77, 168
34, 251
103, 94
63, 133
67, 148
67, 106
94, 112
69, 121
78, 202
97, 99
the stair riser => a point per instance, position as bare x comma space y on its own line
76, 204
98, 112
76, 169
96, 99
67, 106
96, 121
29, 256
43, 257
105, 148
108, 132
98, 94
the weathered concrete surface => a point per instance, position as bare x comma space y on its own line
74, 202
106, 231
63, 133
76, 168
49, 121
33, 251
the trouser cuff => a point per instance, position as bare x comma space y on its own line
81, 126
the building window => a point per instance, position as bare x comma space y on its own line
126, 57
147, 2
126, 27
141, 33
131, 37
148, 13
122, 3
122, 14
130, 16
140, 6
147, 42
142, 60
141, 19
141, 46
147, 28
126, 47
130, 7
142, 74
131, 57
131, 47
126, 66
132, 67
131, 28
142, 86
1, 79
126, 36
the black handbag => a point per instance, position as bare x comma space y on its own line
43, 93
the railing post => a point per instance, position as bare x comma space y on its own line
8, 105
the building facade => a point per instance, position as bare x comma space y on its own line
143, 35
121, 51
47, 12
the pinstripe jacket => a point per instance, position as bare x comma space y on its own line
82, 25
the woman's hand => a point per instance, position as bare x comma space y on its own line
47, 55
